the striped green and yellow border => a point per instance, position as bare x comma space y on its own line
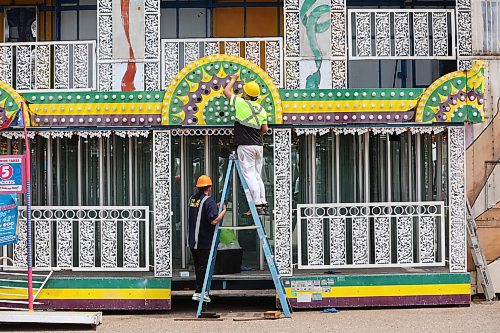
379, 290
144, 293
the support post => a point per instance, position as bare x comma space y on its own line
457, 207
162, 204
283, 200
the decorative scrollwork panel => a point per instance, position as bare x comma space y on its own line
6, 64
292, 34
282, 200
421, 34
338, 241
162, 204
360, 245
24, 68
80, 66
382, 34
440, 34
42, 67
252, 51
61, 66
64, 244
458, 258
363, 34
131, 244
315, 238
382, 228
86, 233
427, 239
402, 34
43, 244
404, 228
109, 246
273, 61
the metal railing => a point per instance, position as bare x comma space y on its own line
265, 52
48, 65
88, 238
401, 34
364, 235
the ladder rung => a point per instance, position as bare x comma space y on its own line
17, 302
18, 295
19, 281
250, 227
9, 287
13, 309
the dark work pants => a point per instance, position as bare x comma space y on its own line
200, 257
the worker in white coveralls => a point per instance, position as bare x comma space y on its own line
249, 126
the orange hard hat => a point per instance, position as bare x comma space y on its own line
203, 181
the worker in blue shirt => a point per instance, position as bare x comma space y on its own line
203, 217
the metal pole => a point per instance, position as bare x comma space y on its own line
50, 182
389, 171
337, 162
27, 155
410, 160
418, 168
58, 170
183, 202
130, 173
101, 171
312, 165
367, 166
79, 170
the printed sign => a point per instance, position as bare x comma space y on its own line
8, 219
12, 174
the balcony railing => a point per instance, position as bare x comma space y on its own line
48, 65
401, 34
265, 52
86, 238
363, 235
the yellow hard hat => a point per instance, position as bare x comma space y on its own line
251, 89
203, 181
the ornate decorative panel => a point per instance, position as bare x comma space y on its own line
43, 245
24, 70
427, 239
152, 76
421, 34
104, 35
274, 59
292, 79
404, 228
252, 51
283, 200
382, 229
131, 244
20, 256
232, 47
382, 34
109, 246
80, 66
339, 74
464, 31
402, 34
292, 35
360, 245
191, 52
162, 204
363, 34
170, 61
338, 241
105, 74
338, 31
86, 234
6, 64
457, 210
61, 66
315, 239
211, 48
42, 67
440, 34
64, 244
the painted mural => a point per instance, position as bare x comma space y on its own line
315, 37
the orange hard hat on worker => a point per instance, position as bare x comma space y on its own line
204, 181
252, 89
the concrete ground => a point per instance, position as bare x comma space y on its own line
479, 317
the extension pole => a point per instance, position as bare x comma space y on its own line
27, 162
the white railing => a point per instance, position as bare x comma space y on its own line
48, 65
86, 238
401, 34
265, 52
363, 235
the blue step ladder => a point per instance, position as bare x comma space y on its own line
268, 253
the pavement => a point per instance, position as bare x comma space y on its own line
479, 317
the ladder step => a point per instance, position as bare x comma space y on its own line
250, 227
